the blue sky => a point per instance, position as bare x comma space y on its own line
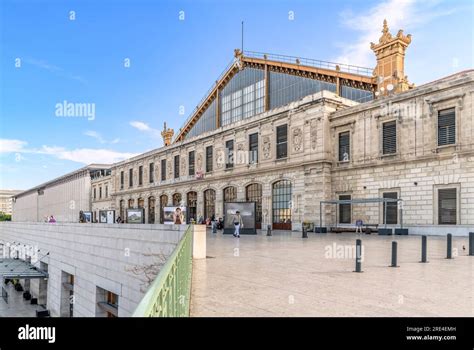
50, 55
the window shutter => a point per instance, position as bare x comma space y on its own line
389, 136
447, 206
446, 127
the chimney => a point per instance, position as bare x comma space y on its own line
390, 69
167, 135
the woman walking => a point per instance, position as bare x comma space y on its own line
238, 223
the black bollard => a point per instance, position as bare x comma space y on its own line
394, 254
305, 232
449, 253
471, 243
423, 249
269, 230
358, 256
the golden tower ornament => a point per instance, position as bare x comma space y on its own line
167, 135
390, 69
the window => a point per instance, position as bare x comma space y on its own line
106, 191
447, 203
163, 204
229, 145
282, 141
446, 127
177, 199
191, 170
122, 176
130, 177
281, 204
100, 192
254, 194
392, 209
230, 194
209, 159
345, 210
209, 203
192, 206
95, 193
389, 137
152, 172
163, 170
140, 175
176, 166
253, 148
344, 146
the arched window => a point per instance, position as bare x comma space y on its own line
163, 204
230, 194
253, 193
141, 203
192, 206
151, 210
177, 199
281, 205
130, 203
209, 203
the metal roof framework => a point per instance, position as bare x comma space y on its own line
19, 269
362, 201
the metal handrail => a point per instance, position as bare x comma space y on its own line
170, 293
348, 68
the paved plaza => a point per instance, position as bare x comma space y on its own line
17, 306
285, 275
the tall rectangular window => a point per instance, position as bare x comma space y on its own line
389, 137
122, 176
253, 148
163, 170
95, 193
447, 206
345, 210
151, 172
282, 141
130, 177
140, 175
176, 166
229, 146
191, 169
392, 209
100, 192
106, 191
344, 146
209, 159
446, 127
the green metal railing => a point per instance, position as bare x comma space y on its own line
169, 294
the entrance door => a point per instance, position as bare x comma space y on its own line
281, 205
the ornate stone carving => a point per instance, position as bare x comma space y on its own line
266, 147
199, 161
220, 158
183, 166
313, 132
297, 139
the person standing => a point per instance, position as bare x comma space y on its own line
238, 223
359, 224
213, 223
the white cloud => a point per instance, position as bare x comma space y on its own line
11, 145
86, 155
79, 155
400, 14
95, 135
144, 127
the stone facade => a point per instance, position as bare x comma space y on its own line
417, 169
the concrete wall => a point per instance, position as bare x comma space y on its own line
63, 200
113, 257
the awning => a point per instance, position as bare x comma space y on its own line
19, 269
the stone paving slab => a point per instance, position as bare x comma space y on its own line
285, 275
